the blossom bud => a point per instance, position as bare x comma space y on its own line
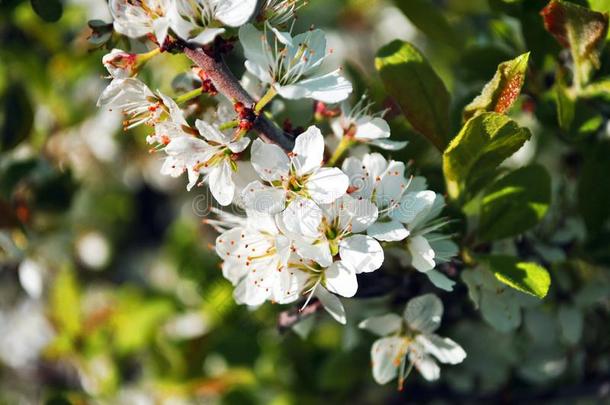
121, 64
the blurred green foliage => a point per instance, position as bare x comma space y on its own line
133, 307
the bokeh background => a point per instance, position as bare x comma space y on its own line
110, 294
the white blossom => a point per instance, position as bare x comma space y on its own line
328, 235
212, 156
411, 339
257, 260
136, 18
286, 177
361, 125
200, 21
407, 211
137, 102
292, 66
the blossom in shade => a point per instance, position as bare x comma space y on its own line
409, 341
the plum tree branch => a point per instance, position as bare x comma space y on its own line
227, 84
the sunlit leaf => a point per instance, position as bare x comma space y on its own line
515, 203
500, 93
423, 98
526, 277
484, 142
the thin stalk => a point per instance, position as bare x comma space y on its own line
266, 99
189, 95
344, 145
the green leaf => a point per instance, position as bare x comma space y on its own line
593, 186
48, 10
136, 320
566, 106
526, 277
65, 303
483, 143
420, 93
581, 30
500, 93
600, 88
16, 116
515, 203
430, 20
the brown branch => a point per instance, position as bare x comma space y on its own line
227, 84
287, 319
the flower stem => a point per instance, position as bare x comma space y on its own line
266, 99
340, 151
189, 95
228, 125
142, 58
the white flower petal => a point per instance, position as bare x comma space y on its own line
362, 253
444, 349
372, 128
319, 252
257, 52
308, 151
375, 164
211, 133
424, 313
422, 255
234, 13
360, 183
391, 231
269, 161
391, 186
341, 279
386, 356
327, 184
302, 217
261, 198
382, 325
332, 304
329, 88
233, 271
221, 183
387, 144
413, 207
359, 213
425, 364
160, 27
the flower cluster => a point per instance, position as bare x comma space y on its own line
312, 224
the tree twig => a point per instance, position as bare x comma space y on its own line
227, 84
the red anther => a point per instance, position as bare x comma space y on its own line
234, 156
